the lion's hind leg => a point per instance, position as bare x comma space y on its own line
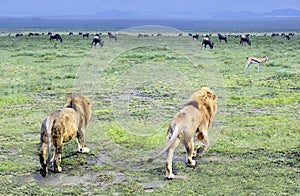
58, 142
44, 168
43, 150
189, 145
170, 153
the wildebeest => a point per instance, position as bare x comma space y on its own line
287, 36
245, 38
97, 40
71, 33
206, 41
56, 37
19, 34
85, 35
222, 37
274, 34
196, 36
111, 36
33, 34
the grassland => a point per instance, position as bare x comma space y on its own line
136, 86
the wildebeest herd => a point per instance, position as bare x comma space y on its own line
221, 37
57, 37
206, 39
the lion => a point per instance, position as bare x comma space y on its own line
61, 126
196, 117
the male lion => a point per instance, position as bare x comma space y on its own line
61, 126
196, 117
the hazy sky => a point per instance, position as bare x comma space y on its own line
149, 7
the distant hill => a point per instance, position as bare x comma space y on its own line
275, 14
282, 13
224, 15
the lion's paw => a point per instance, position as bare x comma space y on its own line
191, 163
85, 150
44, 171
170, 177
59, 169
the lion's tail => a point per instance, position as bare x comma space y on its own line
49, 125
170, 142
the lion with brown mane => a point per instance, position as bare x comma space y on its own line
61, 126
196, 117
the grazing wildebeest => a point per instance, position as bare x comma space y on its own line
206, 41
19, 34
87, 35
97, 40
245, 38
222, 37
71, 33
179, 34
111, 36
56, 37
196, 36
33, 34
287, 37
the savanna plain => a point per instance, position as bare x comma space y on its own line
136, 85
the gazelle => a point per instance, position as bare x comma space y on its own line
259, 61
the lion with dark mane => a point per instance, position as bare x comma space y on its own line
61, 126
196, 117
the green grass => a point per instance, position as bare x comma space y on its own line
136, 86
